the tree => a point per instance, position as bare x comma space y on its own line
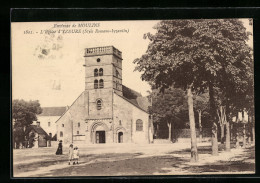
167, 106
196, 55
23, 115
201, 105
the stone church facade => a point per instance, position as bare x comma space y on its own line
107, 111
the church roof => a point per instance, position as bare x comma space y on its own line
129, 93
52, 111
135, 98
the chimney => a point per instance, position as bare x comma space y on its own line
38, 123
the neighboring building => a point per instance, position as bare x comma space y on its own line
39, 135
107, 111
48, 117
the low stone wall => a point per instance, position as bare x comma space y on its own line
188, 140
185, 133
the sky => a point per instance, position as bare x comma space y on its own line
48, 66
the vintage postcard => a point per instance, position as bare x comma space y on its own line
123, 98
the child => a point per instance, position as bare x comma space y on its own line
76, 155
70, 153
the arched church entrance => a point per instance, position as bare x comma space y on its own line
120, 137
98, 133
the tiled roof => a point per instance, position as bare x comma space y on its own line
136, 98
52, 111
129, 93
37, 129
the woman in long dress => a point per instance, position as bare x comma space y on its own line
59, 150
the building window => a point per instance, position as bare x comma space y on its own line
77, 132
99, 104
61, 134
95, 72
49, 124
139, 125
62, 125
100, 72
95, 84
50, 135
101, 83
78, 124
120, 123
98, 60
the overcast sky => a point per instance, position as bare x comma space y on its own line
49, 67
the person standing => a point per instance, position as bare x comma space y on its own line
70, 153
59, 150
76, 155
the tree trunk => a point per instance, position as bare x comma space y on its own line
157, 131
214, 139
222, 133
227, 147
253, 129
244, 135
248, 129
244, 129
173, 135
170, 131
200, 126
194, 150
214, 129
228, 119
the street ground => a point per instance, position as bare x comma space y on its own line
132, 159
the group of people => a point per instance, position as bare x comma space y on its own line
73, 153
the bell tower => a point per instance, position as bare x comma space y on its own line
103, 76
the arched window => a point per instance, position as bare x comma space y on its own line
61, 134
100, 72
95, 84
95, 72
101, 83
99, 104
78, 124
98, 60
139, 125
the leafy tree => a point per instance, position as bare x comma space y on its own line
197, 55
201, 105
23, 114
167, 106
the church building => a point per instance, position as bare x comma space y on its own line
107, 111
